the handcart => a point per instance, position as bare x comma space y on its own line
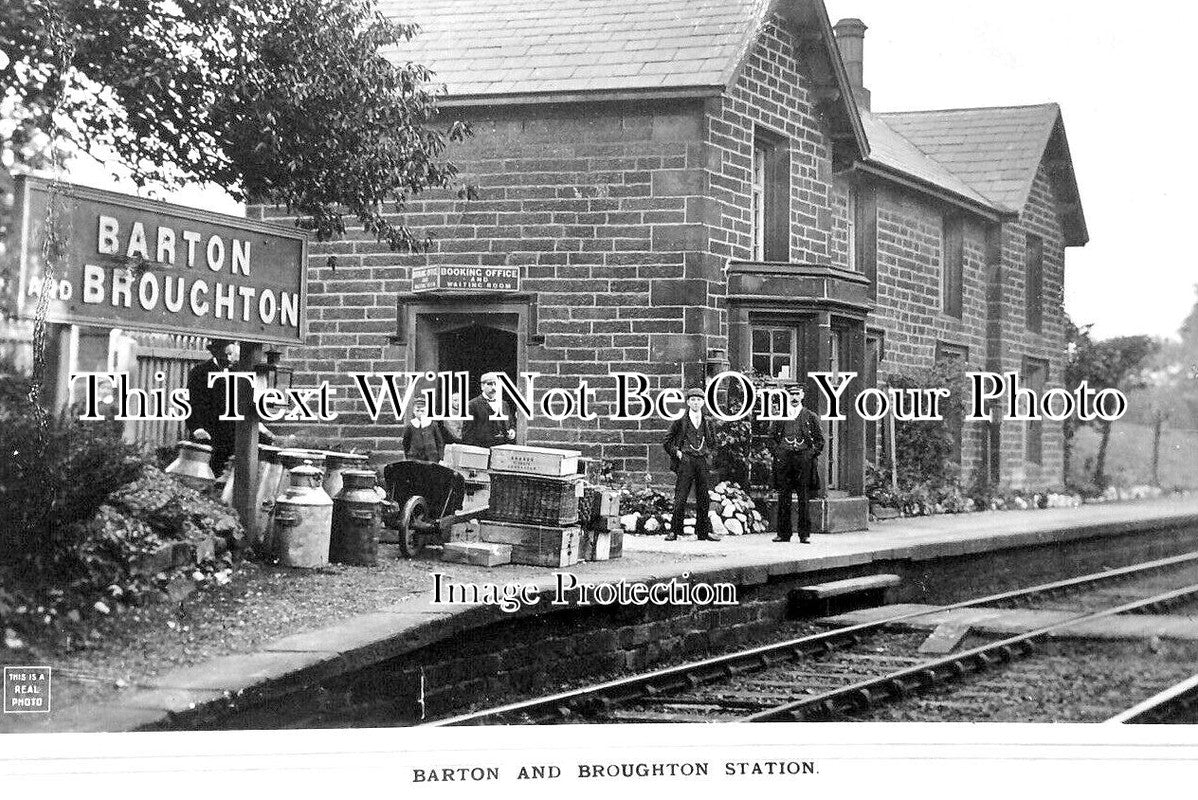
424, 502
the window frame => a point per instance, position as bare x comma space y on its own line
769, 197
1033, 282
952, 266
1033, 430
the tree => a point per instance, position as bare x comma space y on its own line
285, 102
1107, 364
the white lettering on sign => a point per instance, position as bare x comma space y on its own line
147, 291
247, 296
224, 300
174, 300
137, 242
199, 309
165, 252
216, 253
93, 283
106, 240
122, 288
241, 258
290, 312
267, 306
153, 289
192, 238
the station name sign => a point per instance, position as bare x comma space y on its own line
442, 277
146, 265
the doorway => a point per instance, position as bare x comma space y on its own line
477, 348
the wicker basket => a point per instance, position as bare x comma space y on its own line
532, 500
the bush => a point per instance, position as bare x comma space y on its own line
56, 473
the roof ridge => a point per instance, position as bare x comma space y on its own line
1049, 104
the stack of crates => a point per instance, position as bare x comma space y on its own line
599, 518
534, 505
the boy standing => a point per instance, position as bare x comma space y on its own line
690, 442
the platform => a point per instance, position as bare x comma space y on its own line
183, 697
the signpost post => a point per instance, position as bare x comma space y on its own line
144, 265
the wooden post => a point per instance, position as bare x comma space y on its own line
1158, 422
893, 455
245, 472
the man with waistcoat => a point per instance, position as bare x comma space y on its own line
690, 442
484, 428
796, 444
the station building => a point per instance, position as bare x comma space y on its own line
688, 186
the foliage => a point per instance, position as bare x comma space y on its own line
1116, 363
53, 478
742, 455
112, 562
286, 102
926, 448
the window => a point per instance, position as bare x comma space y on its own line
770, 199
952, 267
954, 358
1035, 376
758, 193
774, 352
1034, 283
851, 220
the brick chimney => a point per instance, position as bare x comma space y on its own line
850, 38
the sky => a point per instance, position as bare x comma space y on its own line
1118, 78
1121, 76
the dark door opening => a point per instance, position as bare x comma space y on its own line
477, 349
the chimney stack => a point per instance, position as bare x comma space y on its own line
850, 38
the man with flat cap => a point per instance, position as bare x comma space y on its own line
796, 444
689, 443
484, 428
208, 403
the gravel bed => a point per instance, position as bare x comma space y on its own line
1069, 681
259, 605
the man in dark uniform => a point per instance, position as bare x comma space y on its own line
796, 444
690, 442
208, 403
483, 428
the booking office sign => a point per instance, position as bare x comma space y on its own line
147, 265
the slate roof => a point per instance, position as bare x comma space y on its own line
888, 149
499, 47
995, 150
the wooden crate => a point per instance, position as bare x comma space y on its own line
537, 545
609, 503
541, 461
466, 458
533, 500
483, 554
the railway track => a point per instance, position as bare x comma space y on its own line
1177, 704
840, 670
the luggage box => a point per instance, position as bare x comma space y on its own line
466, 458
542, 461
533, 500
483, 554
536, 545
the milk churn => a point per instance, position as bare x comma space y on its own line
337, 463
191, 467
270, 473
357, 520
290, 459
302, 521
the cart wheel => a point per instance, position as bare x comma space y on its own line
410, 540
